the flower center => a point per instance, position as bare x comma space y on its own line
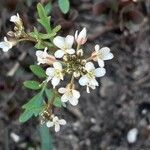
90, 74
100, 56
75, 65
58, 73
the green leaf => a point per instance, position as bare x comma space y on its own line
34, 34
64, 5
57, 102
26, 115
38, 71
42, 45
46, 36
44, 19
34, 85
48, 8
49, 93
35, 101
56, 29
36, 110
33, 107
43, 36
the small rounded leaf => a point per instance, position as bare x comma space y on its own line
64, 5
34, 85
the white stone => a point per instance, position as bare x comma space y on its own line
132, 135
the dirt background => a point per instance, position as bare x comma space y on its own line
103, 118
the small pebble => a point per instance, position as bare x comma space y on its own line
132, 135
15, 137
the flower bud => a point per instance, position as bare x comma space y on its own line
11, 34
76, 74
81, 38
16, 19
44, 57
80, 52
94, 56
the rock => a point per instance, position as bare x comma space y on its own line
15, 137
132, 135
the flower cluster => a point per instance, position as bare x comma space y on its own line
67, 61
71, 62
15, 35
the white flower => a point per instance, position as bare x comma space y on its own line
101, 54
44, 58
6, 45
89, 78
81, 38
16, 19
56, 122
65, 45
70, 95
55, 74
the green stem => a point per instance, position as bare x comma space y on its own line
46, 138
29, 38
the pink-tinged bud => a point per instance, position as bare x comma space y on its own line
81, 38
94, 56
44, 57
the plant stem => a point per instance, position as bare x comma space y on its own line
46, 138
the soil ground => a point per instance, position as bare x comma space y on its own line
104, 117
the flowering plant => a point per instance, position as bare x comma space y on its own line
64, 58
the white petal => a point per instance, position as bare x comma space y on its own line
5, 39
55, 81
76, 35
89, 66
94, 83
45, 54
59, 41
76, 94
62, 90
5, 46
13, 18
87, 89
48, 79
73, 101
92, 87
70, 51
57, 127
82, 34
49, 124
64, 98
105, 50
55, 119
108, 56
69, 40
99, 72
57, 65
39, 53
62, 122
50, 71
83, 80
59, 53
97, 48
101, 63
